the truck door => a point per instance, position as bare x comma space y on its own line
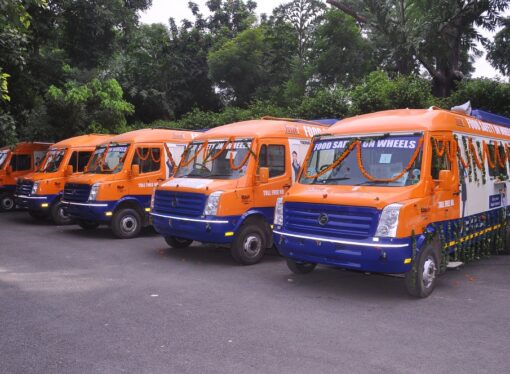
149, 159
273, 155
443, 163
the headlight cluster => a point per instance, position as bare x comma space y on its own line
211, 207
388, 222
278, 212
93, 192
35, 188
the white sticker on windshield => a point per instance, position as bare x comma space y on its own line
385, 158
232, 154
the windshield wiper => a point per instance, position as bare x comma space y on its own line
371, 183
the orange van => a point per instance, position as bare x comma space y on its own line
227, 183
41, 192
15, 162
410, 192
117, 186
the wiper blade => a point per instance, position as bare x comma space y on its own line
371, 183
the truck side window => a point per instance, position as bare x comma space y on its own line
149, 159
79, 160
21, 162
440, 163
273, 157
497, 170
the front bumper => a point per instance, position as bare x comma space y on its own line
208, 229
35, 202
377, 255
94, 211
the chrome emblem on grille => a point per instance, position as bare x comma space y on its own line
323, 219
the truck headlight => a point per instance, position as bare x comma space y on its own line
35, 188
211, 207
93, 192
278, 212
388, 222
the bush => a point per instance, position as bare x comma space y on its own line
324, 104
379, 92
486, 94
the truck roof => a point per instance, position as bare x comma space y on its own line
29, 146
405, 120
154, 136
91, 140
265, 127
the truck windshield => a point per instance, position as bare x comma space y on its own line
110, 163
53, 161
3, 157
391, 160
215, 159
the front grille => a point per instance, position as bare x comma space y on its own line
24, 187
350, 222
77, 193
179, 203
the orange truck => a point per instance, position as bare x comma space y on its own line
16, 162
227, 183
40, 193
117, 186
410, 192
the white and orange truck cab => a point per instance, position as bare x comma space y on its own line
409, 192
117, 186
227, 183
16, 162
40, 193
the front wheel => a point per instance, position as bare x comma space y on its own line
421, 279
249, 245
7, 203
176, 242
300, 267
58, 214
126, 223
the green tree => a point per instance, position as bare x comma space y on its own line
499, 49
438, 34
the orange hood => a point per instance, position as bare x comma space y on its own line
200, 185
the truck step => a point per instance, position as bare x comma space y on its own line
454, 264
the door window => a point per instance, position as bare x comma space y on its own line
21, 162
273, 157
79, 160
149, 159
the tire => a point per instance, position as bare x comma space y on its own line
300, 267
126, 223
58, 215
176, 242
422, 283
88, 225
249, 245
38, 216
7, 203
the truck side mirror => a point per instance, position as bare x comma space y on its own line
135, 171
8, 169
445, 180
69, 170
263, 175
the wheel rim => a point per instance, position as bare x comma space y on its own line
429, 272
252, 245
7, 203
128, 224
62, 214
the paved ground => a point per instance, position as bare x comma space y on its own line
79, 302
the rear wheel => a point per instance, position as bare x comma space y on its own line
7, 203
176, 242
126, 223
88, 225
300, 267
421, 279
58, 214
249, 244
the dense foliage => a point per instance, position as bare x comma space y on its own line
70, 67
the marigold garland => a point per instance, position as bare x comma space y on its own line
350, 146
243, 162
